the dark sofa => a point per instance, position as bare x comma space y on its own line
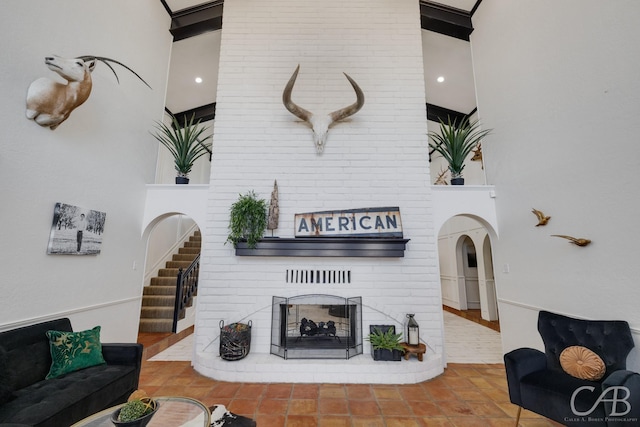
27, 398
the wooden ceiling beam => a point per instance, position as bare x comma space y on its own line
445, 20
196, 20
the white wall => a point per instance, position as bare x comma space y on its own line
378, 157
558, 81
100, 158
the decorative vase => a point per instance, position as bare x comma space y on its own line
182, 180
457, 181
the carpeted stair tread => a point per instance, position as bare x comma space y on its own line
163, 281
189, 250
160, 290
178, 264
184, 257
158, 300
156, 312
166, 272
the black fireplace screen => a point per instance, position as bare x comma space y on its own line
316, 327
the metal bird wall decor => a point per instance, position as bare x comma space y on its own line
542, 218
576, 241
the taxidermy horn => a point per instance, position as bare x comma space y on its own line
574, 240
320, 123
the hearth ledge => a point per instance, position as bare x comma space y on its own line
268, 368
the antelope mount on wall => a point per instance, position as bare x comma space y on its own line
320, 123
49, 103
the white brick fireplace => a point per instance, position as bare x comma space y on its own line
378, 157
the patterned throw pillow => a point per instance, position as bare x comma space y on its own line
72, 351
580, 362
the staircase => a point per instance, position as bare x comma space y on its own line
158, 299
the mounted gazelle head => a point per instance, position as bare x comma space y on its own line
320, 123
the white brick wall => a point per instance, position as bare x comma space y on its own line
378, 157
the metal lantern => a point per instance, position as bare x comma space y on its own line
413, 331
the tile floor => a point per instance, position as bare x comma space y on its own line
471, 392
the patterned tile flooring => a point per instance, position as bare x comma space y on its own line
471, 392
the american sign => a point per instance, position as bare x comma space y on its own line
365, 222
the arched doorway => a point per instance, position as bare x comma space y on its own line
173, 245
466, 267
468, 273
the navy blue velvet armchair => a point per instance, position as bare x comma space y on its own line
537, 381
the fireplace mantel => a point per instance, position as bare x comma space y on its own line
325, 247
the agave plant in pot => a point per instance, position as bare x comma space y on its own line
184, 142
455, 141
385, 343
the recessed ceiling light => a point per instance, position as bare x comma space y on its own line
440, 79
198, 79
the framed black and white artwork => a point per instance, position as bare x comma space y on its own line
75, 230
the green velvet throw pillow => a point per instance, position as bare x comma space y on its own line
72, 351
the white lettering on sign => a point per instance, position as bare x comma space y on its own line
366, 222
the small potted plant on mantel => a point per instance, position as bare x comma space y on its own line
385, 343
184, 142
454, 142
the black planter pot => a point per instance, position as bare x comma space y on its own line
182, 180
383, 353
387, 355
457, 181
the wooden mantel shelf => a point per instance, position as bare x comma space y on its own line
325, 247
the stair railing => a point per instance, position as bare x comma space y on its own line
186, 287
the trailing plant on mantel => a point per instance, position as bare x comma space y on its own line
247, 220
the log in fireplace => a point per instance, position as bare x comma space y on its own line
316, 327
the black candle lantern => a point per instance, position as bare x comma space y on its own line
413, 331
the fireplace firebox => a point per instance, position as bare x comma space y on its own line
316, 327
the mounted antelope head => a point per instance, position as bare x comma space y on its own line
50, 103
320, 124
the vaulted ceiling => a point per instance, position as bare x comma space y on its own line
196, 29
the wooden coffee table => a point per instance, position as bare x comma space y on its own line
174, 411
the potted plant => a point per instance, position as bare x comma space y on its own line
137, 412
385, 343
454, 142
247, 220
184, 141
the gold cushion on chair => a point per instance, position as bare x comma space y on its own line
580, 362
